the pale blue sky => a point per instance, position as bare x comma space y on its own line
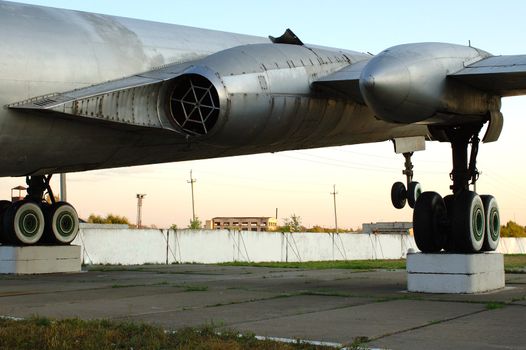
300, 181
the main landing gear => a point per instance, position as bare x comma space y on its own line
462, 222
33, 220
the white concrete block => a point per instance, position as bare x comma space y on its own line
39, 259
455, 273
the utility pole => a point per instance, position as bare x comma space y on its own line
334, 193
191, 182
140, 197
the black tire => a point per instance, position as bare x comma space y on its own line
62, 223
4, 205
449, 201
468, 222
398, 195
492, 215
413, 192
23, 223
429, 218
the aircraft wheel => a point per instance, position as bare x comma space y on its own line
4, 205
449, 201
23, 223
398, 195
413, 192
429, 217
468, 222
492, 233
62, 223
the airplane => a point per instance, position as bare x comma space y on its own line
83, 91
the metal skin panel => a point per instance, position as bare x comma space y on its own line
345, 81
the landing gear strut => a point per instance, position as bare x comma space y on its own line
399, 193
463, 222
34, 220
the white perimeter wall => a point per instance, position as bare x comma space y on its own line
129, 247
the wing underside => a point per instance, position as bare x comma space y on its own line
500, 75
129, 102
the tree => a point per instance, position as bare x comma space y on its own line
321, 229
292, 224
512, 229
109, 219
173, 227
195, 224
47, 198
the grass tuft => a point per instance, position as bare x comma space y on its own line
196, 288
494, 305
513, 263
322, 265
47, 334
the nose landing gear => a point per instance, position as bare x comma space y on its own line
399, 193
33, 220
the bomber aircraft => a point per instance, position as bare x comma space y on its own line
82, 91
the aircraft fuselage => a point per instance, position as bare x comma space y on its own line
48, 50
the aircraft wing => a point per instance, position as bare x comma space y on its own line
501, 75
112, 101
345, 81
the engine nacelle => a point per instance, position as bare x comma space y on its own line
248, 93
408, 83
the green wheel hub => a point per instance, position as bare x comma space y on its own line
478, 224
494, 226
65, 224
29, 223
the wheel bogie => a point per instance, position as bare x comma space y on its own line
27, 223
470, 223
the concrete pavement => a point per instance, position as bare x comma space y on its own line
323, 305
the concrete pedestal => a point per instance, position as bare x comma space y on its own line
455, 273
39, 259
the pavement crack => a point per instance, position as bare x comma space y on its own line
433, 323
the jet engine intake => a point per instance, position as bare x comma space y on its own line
194, 104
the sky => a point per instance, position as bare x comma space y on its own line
300, 182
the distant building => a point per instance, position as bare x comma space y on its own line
15, 197
243, 223
398, 228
